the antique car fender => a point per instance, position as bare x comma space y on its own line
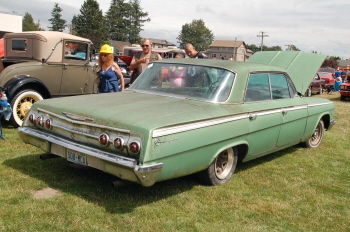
23, 82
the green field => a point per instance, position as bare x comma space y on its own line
296, 189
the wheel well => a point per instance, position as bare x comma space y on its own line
326, 120
35, 87
242, 151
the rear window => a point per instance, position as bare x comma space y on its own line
19, 45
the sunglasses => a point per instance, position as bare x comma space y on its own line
145, 45
104, 54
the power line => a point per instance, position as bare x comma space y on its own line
262, 38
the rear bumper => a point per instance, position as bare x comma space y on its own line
122, 167
331, 124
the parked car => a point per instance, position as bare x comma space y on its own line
320, 83
44, 64
344, 91
207, 117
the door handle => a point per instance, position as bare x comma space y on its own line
252, 116
284, 112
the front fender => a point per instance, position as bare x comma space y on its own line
20, 82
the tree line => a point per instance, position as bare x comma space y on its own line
123, 22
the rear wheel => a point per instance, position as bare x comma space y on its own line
21, 104
316, 138
222, 168
342, 98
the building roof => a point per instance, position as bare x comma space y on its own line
162, 41
120, 44
227, 43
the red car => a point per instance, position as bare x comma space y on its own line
344, 91
321, 81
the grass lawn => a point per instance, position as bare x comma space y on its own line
296, 189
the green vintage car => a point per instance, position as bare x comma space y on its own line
203, 117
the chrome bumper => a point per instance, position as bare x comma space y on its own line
122, 167
331, 124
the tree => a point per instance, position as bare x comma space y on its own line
197, 34
125, 20
137, 19
255, 48
330, 63
116, 20
28, 23
57, 23
91, 24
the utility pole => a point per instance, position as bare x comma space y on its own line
289, 47
262, 38
234, 51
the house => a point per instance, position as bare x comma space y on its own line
10, 23
119, 46
161, 43
226, 49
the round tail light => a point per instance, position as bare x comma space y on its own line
48, 123
134, 147
31, 118
104, 139
118, 143
39, 121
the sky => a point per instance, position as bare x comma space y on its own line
310, 25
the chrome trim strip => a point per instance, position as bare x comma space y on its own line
196, 125
83, 123
319, 104
74, 131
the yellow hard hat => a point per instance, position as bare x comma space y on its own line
106, 49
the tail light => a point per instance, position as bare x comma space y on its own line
31, 118
134, 147
119, 143
40, 121
104, 139
48, 123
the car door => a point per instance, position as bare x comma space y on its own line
293, 110
264, 114
77, 71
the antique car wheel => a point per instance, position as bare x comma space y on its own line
21, 104
222, 168
316, 138
342, 98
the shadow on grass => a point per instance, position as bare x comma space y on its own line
95, 186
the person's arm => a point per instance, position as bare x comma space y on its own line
134, 64
119, 73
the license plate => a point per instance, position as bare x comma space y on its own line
76, 157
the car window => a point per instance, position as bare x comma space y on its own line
258, 88
265, 86
279, 86
187, 81
75, 51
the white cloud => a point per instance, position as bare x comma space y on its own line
320, 25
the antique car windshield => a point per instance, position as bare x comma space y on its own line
188, 81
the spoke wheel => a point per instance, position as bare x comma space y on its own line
21, 105
316, 138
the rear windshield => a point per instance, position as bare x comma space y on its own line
187, 81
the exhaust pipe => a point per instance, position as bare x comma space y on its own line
120, 183
48, 156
